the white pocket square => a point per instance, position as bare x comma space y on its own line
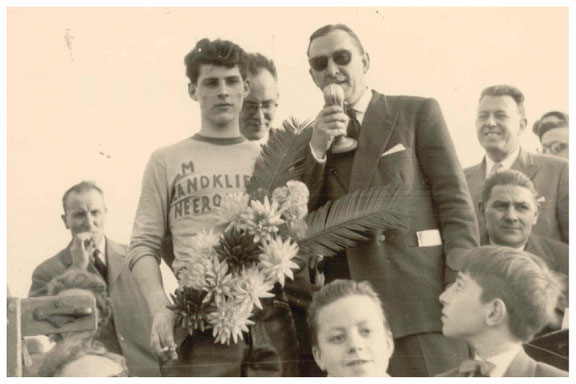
394, 149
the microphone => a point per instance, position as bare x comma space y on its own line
334, 95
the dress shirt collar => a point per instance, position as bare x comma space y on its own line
506, 163
502, 361
361, 105
102, 248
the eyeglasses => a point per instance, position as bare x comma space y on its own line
340, 57
554, 147
267, 107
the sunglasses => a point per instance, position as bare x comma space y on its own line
340, 57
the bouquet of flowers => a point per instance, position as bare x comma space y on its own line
267, 234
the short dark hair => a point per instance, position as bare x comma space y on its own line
521, 280
540, 129
506, 90
222, 53
323, 31
76, 278
333, 291
83, 186
257, 62
507, 177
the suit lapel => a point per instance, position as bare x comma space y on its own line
114, 261
525, 164
377, 126
521, 366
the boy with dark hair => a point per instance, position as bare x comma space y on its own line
501, 298
182, 186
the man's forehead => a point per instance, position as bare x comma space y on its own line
217, 71
501, 102
332, 41
513, 193
76, 200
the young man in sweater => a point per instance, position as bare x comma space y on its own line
183, 184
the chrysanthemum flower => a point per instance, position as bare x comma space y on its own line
262, 219
229, 321
232, 207
238, 249
276, 260
203, 242
252, 286
218, 282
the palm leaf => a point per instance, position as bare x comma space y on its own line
350, 219
281, 158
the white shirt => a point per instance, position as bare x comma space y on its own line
506, 163
502, 361
102, 248
360, 108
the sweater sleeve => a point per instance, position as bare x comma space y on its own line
151, 221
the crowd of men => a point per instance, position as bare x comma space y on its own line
511, 199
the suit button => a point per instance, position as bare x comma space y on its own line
121, 337
381, 238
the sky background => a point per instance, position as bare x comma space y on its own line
93, 91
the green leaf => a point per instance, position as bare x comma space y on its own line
351, 218
281, 158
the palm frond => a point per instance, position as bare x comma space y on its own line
281, 158
351, 218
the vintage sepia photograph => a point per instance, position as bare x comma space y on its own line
287, 191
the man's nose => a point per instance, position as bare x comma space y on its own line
511, 214
490, 121
444, 296
332, 68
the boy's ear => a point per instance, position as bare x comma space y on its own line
497, 313
318, 358
192, 91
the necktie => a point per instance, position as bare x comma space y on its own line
497, 167
353, 129
100, 267
475, 368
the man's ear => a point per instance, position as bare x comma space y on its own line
497, 313
538, 207
247, 86
523, 124
366, 62
192, 91
312, 76
318, 358
481, 208
63, 217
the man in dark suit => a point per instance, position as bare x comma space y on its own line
499, 124
128, 331
261, 102
400, 140
510, 209
501, 298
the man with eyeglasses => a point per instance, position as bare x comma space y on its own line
500, 122
552, 130
260, 105
401, 139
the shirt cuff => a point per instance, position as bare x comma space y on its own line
320, 160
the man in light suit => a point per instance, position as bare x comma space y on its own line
500, 122
400, 140
128, 332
